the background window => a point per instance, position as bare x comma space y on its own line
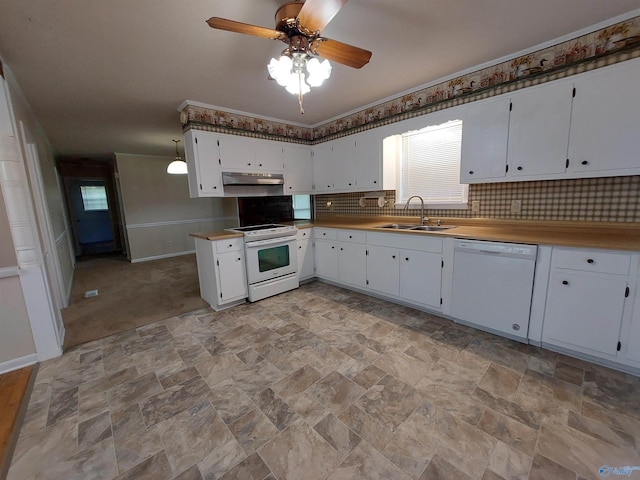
94, 198
301, 207
429, 166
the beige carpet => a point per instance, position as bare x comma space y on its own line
129, 295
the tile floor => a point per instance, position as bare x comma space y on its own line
323, 383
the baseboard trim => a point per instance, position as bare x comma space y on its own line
159, 257
17, 363
6, 272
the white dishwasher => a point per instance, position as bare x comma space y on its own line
492, 286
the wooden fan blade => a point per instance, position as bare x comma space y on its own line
316, 14
247, 29
342, 53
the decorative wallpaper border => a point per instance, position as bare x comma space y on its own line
616, 43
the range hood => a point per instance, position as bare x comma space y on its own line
237, 178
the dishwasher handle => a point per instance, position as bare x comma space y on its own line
513, 250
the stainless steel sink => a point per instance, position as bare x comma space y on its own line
398, 226
424, 228
432, 228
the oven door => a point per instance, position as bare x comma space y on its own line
271, 258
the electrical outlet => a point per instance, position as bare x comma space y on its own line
169, 243
516, 206
475, 206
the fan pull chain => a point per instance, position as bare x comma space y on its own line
300, 93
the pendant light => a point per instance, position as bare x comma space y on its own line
178, 166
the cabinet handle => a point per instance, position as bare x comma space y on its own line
350, 236
249, 164
519, 167
230, 245
406, 258
375, 181
259, 164
214, 187
290, 188
584, 162
239, 258
393, 256
332, 248
349, 184
590, 260
299, 247
470, 172
341, 249
564, 282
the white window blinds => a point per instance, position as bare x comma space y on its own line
430, 165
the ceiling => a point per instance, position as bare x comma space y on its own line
107, 76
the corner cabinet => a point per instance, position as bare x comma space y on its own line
298, 169
221, 271
306, 261
202, 152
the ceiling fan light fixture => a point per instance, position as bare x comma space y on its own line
297, 72
318, 71
178, 166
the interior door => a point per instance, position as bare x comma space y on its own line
91, 216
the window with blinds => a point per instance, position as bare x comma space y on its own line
429, 166
94, 198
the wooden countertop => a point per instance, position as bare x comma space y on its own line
617, 236
614, 235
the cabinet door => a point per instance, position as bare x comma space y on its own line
269, 156
383, 270
343, 164
352, 263
231, 276
298, 170
421, 277
368, 161
305, 259
326, 256
485, 129
539, 129
208, 165
237, 154
604, 124
322, 167
584, 312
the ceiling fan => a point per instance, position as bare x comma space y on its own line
298, 24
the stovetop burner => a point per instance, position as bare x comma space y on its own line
266, 231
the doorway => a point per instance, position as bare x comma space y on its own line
93, 206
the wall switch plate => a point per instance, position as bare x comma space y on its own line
516, 206
475, 206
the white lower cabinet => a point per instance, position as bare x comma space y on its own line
421, 277
586, 300
383, 270
306, 261
221, 271
326, 252
352, 258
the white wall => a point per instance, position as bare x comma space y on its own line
158, 212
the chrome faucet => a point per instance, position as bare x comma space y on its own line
422, 217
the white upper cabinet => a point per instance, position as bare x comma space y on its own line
539, 129
298, 169
269, 156
203, 163
369, 162
604, 126
485, 131
237, 154
343, 165
322, 167
245, 154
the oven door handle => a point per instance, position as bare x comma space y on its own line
270, 241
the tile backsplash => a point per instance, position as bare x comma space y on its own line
609, 199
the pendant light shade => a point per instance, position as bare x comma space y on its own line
178, 166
